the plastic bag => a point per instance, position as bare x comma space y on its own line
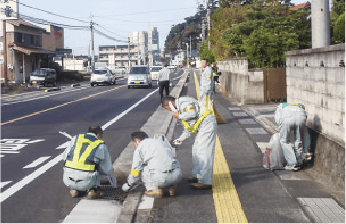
273, 157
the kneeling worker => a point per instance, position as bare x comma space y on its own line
86, 159
154, 165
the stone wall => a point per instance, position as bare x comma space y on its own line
239, 82
316, 78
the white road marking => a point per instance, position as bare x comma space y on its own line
67, 135
64, 145
28, 179
126, 111
36, 162
2, 184
31, 177
35, 141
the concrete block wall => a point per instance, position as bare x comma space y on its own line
240, 83
316, 79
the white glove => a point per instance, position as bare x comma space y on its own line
177, 142
126, 187
132, 179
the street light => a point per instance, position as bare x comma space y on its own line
187, 54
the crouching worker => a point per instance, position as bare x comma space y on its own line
153, 164
86, 159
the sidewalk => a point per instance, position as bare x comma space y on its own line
265, 196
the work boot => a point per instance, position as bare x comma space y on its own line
94, 194
74, 193
200, 186
155, 194
193, 179
172, 191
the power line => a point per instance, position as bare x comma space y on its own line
142, 12
51, 13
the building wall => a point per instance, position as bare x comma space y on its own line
240, 83
315, 79
53, 39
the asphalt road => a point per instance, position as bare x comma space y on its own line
35, 129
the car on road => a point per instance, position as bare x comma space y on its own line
102, 76
139, 76
154, 72
43, 76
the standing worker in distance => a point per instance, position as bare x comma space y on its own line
196, 118
207, 82
153, 164
291, 117
86, 159
164, 78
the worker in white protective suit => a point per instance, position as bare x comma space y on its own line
154, 165
206, 84
198, 119
86, 159
291, 117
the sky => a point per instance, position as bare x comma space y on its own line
116, 18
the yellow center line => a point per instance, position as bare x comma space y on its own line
226, 200
62, 105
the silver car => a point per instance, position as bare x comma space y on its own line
102, 76
139, 76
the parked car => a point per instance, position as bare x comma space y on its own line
139, 76
102, 76
43, 76
154, 72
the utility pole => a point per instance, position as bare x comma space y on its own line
92, 44
190, 46
5, 52
129, 56
187, 55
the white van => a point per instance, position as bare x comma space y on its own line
139, 76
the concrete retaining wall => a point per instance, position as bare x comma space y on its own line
316, 78
239, 82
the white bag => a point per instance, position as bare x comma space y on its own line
274, 158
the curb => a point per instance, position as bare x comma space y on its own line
122, 165
53, 89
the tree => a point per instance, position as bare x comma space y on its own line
339, 29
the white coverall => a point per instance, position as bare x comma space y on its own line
82, 180
291, 118
155, 161
207, 83
204, 147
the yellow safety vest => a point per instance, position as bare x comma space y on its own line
80, 161
198, 122
293, 104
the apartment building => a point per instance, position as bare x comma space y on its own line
118, 55
153, 47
